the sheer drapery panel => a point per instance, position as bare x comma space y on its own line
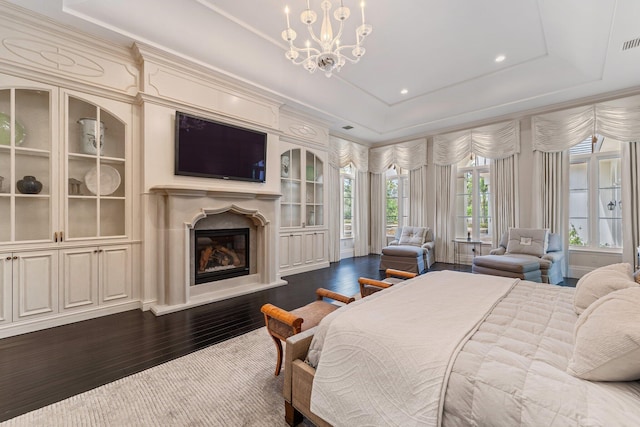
335, 220
631, 205
504, 182
417, 197
361, 214
377, 212
445, 212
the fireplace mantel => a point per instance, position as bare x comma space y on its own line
179, 208
203, 191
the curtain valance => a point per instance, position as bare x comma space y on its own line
496, 141
407, 155
560, 131
342, 152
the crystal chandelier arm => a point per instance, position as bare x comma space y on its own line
312, 51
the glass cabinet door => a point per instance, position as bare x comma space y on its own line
301, 184
26, 181
95, 172
290, 185
314, 190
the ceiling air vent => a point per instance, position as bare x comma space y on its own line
347, 127
630, 44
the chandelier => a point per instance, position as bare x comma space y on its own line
330, 54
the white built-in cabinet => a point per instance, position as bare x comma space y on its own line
64, 240
303, 221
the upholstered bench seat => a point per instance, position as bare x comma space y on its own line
526, 267
407, 258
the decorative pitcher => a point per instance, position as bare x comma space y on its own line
89, 144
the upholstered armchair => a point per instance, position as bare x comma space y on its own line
521, 253
412, 250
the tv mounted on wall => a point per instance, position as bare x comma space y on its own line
211, 149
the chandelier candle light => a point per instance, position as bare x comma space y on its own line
332, 54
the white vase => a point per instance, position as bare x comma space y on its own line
89, 145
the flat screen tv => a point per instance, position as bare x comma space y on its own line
216, 150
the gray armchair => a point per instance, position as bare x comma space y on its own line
412, 250
520, 260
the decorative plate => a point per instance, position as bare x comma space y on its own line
109, 180
5, 131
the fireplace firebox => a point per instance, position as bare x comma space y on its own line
221, 254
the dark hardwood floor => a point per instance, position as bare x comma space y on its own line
44, 367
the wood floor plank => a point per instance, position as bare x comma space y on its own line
44, 367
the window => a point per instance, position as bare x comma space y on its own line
595, 203
473, 199
347, 180
397, 200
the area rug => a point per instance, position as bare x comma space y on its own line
228, 384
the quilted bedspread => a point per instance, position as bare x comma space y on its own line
423, 323
512, 372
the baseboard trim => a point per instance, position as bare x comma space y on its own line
32, 325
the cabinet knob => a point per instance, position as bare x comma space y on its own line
95, 252
55, 236
8, 258
61, 236
15, 257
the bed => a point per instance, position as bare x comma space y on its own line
453, 349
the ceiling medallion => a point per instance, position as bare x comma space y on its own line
331, 54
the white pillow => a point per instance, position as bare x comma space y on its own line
413, 236
600, 282
607, 339
530, 241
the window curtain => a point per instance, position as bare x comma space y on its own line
412, 156
631, 205
504, 197
334, 213
361, 214
499, 142
552, 182
557, 132
445, 213
341, 153
378, 196
417, 194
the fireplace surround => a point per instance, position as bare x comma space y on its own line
183, 210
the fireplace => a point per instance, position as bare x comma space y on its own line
221, 254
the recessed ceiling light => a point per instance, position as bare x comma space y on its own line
404, 91
500, 58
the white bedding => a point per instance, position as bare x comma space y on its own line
511, 372
358, 380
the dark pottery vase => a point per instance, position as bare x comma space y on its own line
29, 185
